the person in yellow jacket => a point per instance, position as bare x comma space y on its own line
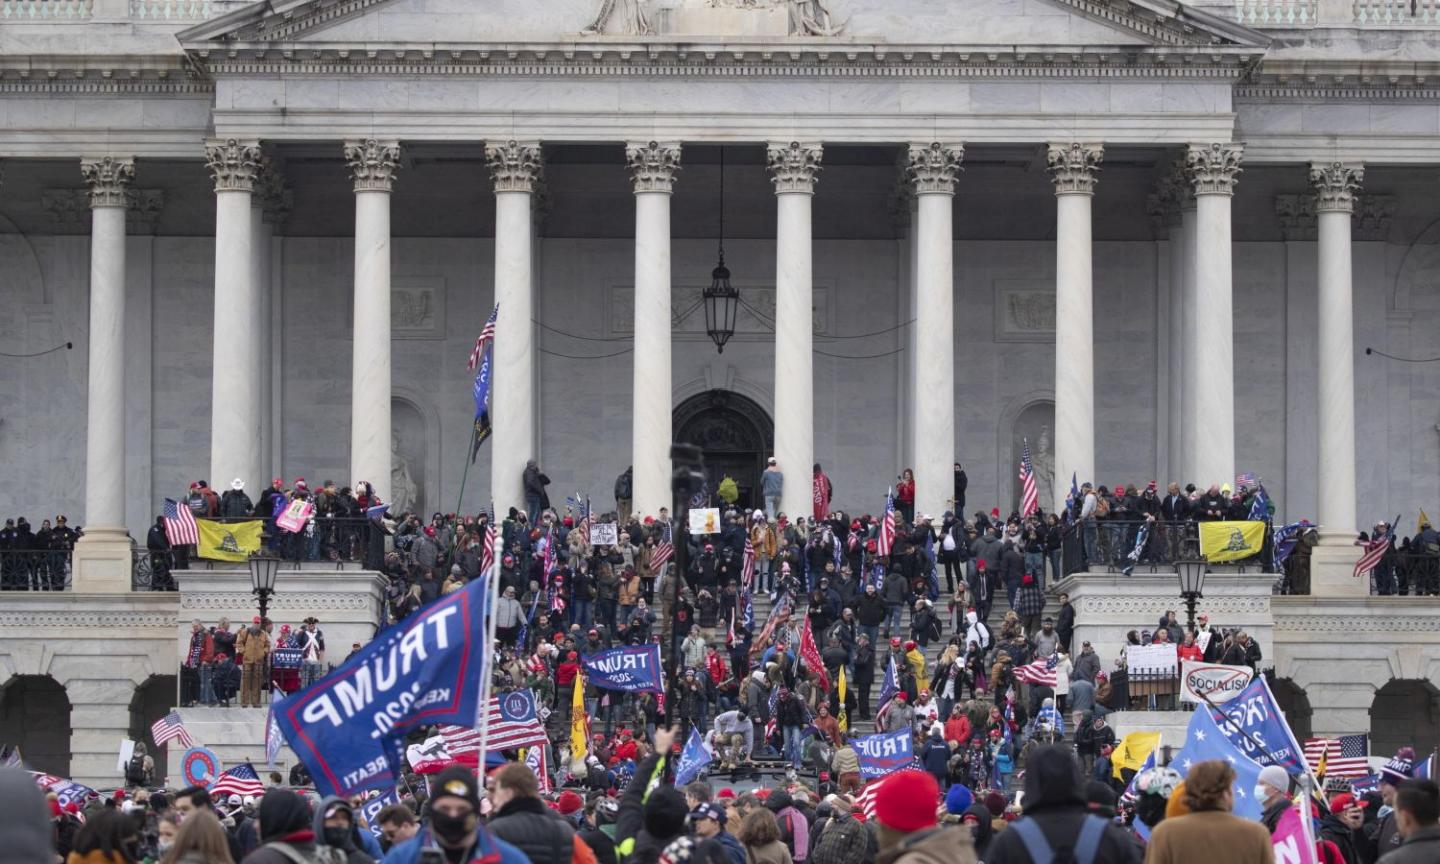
917, 666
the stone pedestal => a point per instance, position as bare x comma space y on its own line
1332, 568
1171, 725
236, 735
101, 561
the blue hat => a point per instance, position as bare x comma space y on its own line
958, 800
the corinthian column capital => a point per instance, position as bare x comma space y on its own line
373, 163
794, 167
1335, 185
234, 163
933, 167
1073, 167
514, 167
653, 166
109, 179
1212, 167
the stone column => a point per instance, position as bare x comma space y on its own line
793, 170
1188, 349
1212, 169
102, 557
933, 169
1174, 195
514, 168
372, 165
1333, 562
652, 170
1073, 167
272, 200
235, 410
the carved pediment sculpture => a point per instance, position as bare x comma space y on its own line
620, 17
628, 17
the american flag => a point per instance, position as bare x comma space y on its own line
1039, 672
170, 727
486, 334
1246, 480
664, 551
1030, 496
1346, 756
778, 618
180, 527
747, 566
1374, 551
513, 723
584, 525
866, 800
240, 780
487, 550
886, 541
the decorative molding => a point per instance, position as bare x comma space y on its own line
81, 82
794, 168
373, 163
128, 620
279, 27
653, 166
109, 178
933, 167
514, 167
1024, 310
1335, 185
633, 20
1073, 167
1354, 623
233, 163
417, 307
226, 600
1297, 216
1371, 219
1149, 607
70, 209
1212, 167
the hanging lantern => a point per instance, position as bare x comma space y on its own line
721, 298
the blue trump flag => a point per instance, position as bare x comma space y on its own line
370, 811
347, 727
884, 753
1204, 740
1257, 728
629, 668
693, 758
483, 379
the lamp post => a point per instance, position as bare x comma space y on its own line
263, 570
1191, 572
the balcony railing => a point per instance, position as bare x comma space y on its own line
35, 570
1107, 545
171, 10
1397, 13
1276, 13
46, 10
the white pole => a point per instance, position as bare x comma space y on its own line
492, 596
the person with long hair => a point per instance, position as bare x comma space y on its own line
1210, 832
760, 835
201, 840
108, 837
905, 495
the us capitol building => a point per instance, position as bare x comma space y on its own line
1151, 239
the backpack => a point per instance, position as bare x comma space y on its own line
1102, 507
135, 771
1086, 847
197, 504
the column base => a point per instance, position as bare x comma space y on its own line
1332, 568
102, 562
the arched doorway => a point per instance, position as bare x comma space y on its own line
1405, 713
1295, 705
153, 700
735, 434
35, 714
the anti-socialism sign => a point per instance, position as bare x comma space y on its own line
1213, 681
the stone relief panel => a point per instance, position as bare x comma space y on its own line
1024, 311
408, 451
417, 307
754, 321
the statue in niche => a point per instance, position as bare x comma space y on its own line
811, 18
404, 492
1043, 461
620, 17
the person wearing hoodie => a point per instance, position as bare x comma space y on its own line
454, 829
794, 827
649, 819
335, 830
1056, 811
287, 833
522, 820
26, 830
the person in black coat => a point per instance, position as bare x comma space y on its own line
1065, 623
1012, 567
1055, 802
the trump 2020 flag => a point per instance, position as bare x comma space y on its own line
628, 668
884, 753
347, 727
483, 380
1257, 728
693, 758
1204, 741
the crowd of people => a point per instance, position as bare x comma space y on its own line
218, 664
36, 560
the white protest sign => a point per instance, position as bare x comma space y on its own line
127, 752
604, 534
1213, 681
1151, 659
705, 520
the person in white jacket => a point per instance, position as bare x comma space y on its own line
1063, 668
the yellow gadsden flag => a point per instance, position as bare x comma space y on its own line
1231, 541
229, 541
579, 723
1132, 751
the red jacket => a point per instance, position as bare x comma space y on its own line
957, 728
1190, 652
715, 665
565, 673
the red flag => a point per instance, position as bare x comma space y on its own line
811, 655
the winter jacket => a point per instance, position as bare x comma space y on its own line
1054, 803
253, 644
1422, 847
528, 825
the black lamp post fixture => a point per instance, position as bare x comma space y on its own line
1191, 573
263, 570
721, 298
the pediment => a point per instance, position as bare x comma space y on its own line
808, 25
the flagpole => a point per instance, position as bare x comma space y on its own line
492, 596
465, 475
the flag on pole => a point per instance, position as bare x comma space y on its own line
1260, 505
811, 654
1346, 756
1245, 480
240, 780
487, 550
1029, 494
747, 565
1421, 521
866, 799
886, 539
170, 728
579, 723
513, 723
486, 334
483, 380
1374, 551
888, 688
664, 551
180, 527
842, 716
274, 738
1039, 672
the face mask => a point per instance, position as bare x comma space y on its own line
1261, 792
337, 837
162, 847
452, 829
